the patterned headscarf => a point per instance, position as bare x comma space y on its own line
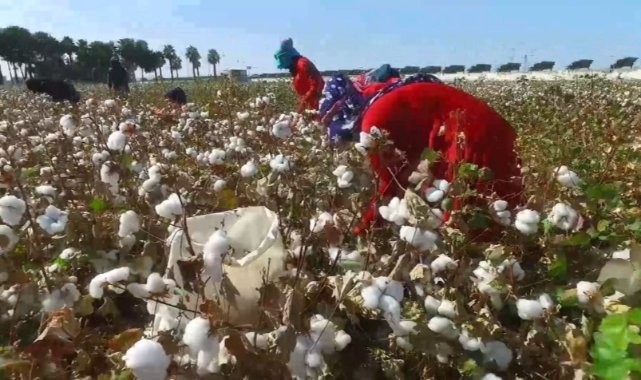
286, 54
339, 88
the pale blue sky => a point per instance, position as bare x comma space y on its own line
352, 33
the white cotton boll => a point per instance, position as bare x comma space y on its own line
260, 341
242, 115
129, 223
191, 152
248, 170
109, 103
341, 340
434, 195
114, 276
498, 353
282, 129
217, 156
318, 224
68, 125
527, 222
155, 283
63, 297
435, 218
381, 282
563, 216
395, 289
499, 205
170, 207
585, 290
147, 360
442, 185
396, 211
53, 221
138, 290
566, 177
280, 164
99, 158
404, 343
117, 141
11, 239
470, 343
109, 176
219, 185
490, 376
391, 308
443, 326
296, 362
340, 170
448, 309
546, 301
621, 255
371, 295
46, 191
441, 263
529, 309
345, 180
214, 250
198, 337
12, 209
314, 358
421, 239
431, 304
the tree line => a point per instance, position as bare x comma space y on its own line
40, 54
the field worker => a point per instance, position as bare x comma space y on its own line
369, 83
421, 112
308, 82
58, 90
118, 77
176, 96
175, 99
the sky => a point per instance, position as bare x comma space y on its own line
338, 34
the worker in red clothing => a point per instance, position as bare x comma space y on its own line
369, 83
308, 82
421, 112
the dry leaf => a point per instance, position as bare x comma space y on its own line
123, 341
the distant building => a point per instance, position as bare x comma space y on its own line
239, 75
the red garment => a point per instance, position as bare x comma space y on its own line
373, 88
308, 84
431, 115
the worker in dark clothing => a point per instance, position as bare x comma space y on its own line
176, 96
118, 77
57, 89
176, 99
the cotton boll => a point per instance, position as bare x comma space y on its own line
117, 141
443, 326
434, 195
53, 221
248, 170
68, 125
214, 250
113, 276
470, 343
341, 340
282, 129
431, 304
395, 289
129, 223
46, 191
546, 301
109, 103
10, 239
448, 309
12, 209
621, 255
318, 224
217, 157
147, 360
441, 263
585, 290
170, 207
404, 343
527, 222
110, 176
529, 309
63, 297
219, 185
500, 212
421, 239
280, 164
391, 308
260, 341
198, 337
563, 217
396, 211
490, 376
442, 185
138, 290
435, 218
371, 295
498, 353
566, 177
155, 283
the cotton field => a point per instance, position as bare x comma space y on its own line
218, 243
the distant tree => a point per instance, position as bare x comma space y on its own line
177, 64
580, 64
431, 69
480, 68
543, 65
509, 67
128, 52
213, 58
193, 56
454, 69
409, 70
624, 62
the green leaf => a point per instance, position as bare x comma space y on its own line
547, 226
468, 171
558, 268
635, 227
603, 225
579, 239
61, 263
601, 192
478, 221
98, 205
430, 155
126, 160
615, 370
634, 316
614, 324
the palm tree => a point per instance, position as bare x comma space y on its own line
159, 60
177, 64
169, 53
213, 58
193, 56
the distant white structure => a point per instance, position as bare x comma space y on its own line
239, 75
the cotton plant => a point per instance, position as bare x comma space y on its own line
489, 278
214, 252
66, 296
248, 170
343, 176
117, 141
68, 125
563, 217
318, 223
216, 156
113, 277
566, 177
282, 128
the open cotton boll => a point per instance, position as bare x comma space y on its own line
396, 211
566, 177
443, 326
447, 308
219, 185
129, 223
46, 191
421, 239
100, 158
147, 360
171, 207
529, 309
343, 176
622, 255
68, 125
63, 297
198, 336
585, 290
468, 342
434, 195
214, 250
53, 221
10, 238
12, 209
500, 212
441, 263
563, 217
282, 129
117, 141
318, 224
431, 304
114, 276
110, 176
546, 301
527, 222
155, 283
341, 340
217, 156
280, 164
248, 170
435, 218
371, 296
260, 341
498, 353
